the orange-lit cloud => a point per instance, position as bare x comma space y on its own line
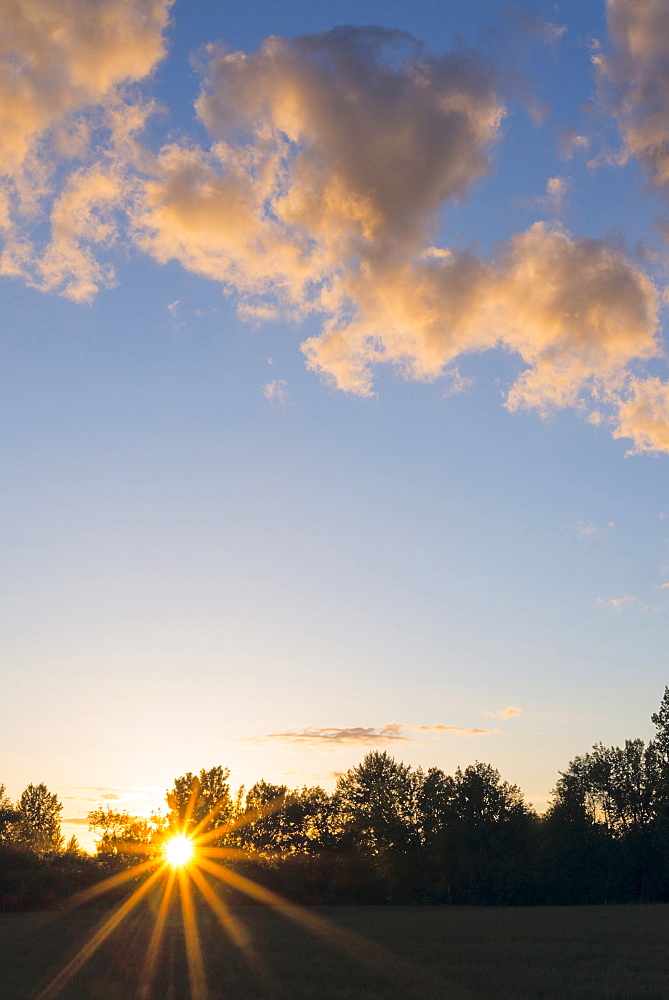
64, 69
643, 415
330, 160
506, 713
439, 729
351, 142
635, 80
332, 156
56, 59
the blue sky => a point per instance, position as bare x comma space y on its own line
222, 546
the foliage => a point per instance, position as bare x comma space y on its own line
201, 800
38, 825
8, 814
388, 833
122, 838
282, 821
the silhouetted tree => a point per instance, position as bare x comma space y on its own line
284, 821
123, 840
376, 814
38, 826
202, 799
8, 814
660, 720
619, 792
491, 834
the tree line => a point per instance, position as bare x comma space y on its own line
388, 833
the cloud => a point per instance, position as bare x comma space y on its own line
535, 27
366, 736
352, 141
618, 603
643, 415
569, 142
588, 529
634, 80
332, 736
75, 820
556, 192
64, 73
576, 312
277, 392
331, 158
58, 59
439, 729
506, 713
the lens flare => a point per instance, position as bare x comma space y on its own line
178, 851
185, 864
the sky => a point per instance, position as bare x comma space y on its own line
334, 388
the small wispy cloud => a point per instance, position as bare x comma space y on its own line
364, 735
96, 794
618, 603
506, 713
455, 382
556, 192
588, 529
439, 729
277, 392
332, 735
569, 142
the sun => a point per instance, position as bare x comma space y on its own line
178, 851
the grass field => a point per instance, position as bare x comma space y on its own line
464, 953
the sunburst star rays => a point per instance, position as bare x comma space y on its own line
187, 869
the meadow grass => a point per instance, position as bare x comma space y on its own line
464, 953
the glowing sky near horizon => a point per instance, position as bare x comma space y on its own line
334, 388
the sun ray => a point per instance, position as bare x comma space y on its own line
367, 953
235, 853
134, 847
198, 981
112, 882
190, 805
186, 869
214, 831
237, 934
261, 812
151, 961
98, 938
